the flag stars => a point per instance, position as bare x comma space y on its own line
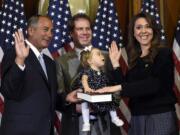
147, 11
57, 30
3, 22
110, 11
56, 38
109, 25
152, 6
52, 14
152, 13
4, 14
53, 6
6, 40
58, 23
101, 37
157, 15
95, 28
7, 32
10, 8
67, 12
65, 19
59, 16
17, 2
115, 28
94, 34
102, 30
2, 30
10, 15
105, 2
110, 18
103, 23
55, 45
111, 4
64, 33
16, 10
114, 35
147, 4
104, 16
15, 26
100, 44
9, 24
163, 37
105, 9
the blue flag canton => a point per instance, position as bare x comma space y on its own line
178, 33
12, 18
60, 13
149, 6
106, 27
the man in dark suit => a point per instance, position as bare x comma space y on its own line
28, 87
68, 66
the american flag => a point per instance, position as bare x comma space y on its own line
105, 30
12, 18
149, 6
176, 56
59, 11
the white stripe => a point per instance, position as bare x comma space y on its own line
178, 111
176, 49
123, 132
124, 55
177, 79
0, 118
124, 109
1, 54
1, 96
46, 51
59, 115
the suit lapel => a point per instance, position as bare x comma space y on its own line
32, 59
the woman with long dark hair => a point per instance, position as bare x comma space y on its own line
149, 81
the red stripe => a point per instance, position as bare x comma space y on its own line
55, 54
68, 48
1, 105
57, 124
121, 116
123, 65
176, 62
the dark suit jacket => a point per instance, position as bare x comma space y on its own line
29, 96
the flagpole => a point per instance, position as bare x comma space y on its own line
161, 3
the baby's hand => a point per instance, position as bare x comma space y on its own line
88, 90
102, 90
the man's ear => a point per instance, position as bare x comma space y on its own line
30, 31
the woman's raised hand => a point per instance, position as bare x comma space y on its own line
114, 54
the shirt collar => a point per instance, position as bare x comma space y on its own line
33, 48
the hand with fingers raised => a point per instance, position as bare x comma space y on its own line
114, 54
22, 51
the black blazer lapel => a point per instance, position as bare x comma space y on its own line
32, 59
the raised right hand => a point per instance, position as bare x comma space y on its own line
22, 51
114, 54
